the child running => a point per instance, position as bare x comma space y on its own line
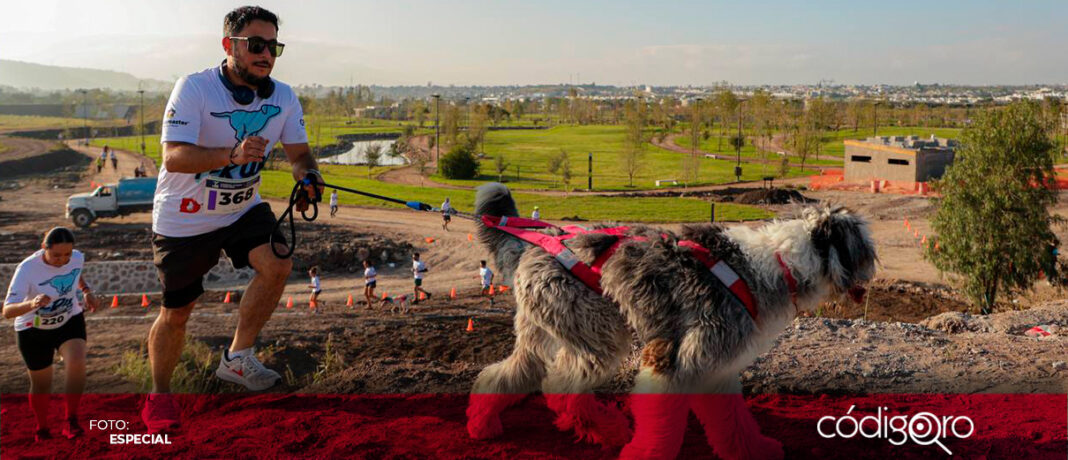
486, 276
313, 301
369, 282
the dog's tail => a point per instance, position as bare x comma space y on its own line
494, 199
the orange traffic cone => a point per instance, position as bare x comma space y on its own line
384, 295
906, 223
422, 295
349, 303
915, 233
312, 305
502, 288
289, 304
936, 246
491, 290
452, 294
470, 325
429, 240
470, 237
144, 300
924, 241
227, 299
115, 302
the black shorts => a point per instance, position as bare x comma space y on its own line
182, 262
38, 346
418, 282
446, 217
371, 284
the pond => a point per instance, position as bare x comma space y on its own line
356, 155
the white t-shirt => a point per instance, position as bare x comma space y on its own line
33, 277
369, 274
201, 111
487, 276
315, 284
417, 268
446, 207
333, 199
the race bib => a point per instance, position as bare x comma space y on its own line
229, 196
49, 322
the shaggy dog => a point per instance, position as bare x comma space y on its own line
696, 335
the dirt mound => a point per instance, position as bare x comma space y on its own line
335, 249
743, 195
893, 300
55, 160
771, 196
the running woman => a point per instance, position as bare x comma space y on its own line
369, 282
48, 317
316, 287
333, 203
446, 214
218, 127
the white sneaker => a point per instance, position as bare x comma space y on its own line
247, 371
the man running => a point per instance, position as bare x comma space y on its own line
446, 214
218, 129
418, 268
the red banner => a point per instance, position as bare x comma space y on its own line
436, 426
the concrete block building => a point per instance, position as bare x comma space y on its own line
898, 158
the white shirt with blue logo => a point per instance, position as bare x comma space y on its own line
201, 111
34, 277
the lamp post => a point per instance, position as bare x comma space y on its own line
85, 112
141, 92
589, 173
738, 147
694, 128
437, 131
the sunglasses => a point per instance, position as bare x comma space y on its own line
256, 45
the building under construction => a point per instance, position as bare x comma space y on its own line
898, 158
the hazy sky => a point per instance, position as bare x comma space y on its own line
391, 42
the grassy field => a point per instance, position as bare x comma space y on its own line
278, 184
27, 122
3, 148
531, 150
714, 146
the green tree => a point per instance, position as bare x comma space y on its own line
460, 162
500, 166
372, 153
560, 167
634, 138
993, 220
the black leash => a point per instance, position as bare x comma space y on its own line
299, 193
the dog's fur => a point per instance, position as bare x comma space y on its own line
696, 336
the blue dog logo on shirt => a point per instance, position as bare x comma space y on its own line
249, 123
63, 283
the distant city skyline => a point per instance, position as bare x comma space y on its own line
624, 43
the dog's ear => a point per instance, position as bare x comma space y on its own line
844, 244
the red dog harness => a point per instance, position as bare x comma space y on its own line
591, 274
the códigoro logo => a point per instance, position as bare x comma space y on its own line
923, 428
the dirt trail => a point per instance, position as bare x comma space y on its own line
23, 147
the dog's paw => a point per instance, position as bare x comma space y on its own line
597, 424
484, 427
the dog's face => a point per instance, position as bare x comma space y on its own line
845, 249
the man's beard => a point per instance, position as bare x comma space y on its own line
249, 77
